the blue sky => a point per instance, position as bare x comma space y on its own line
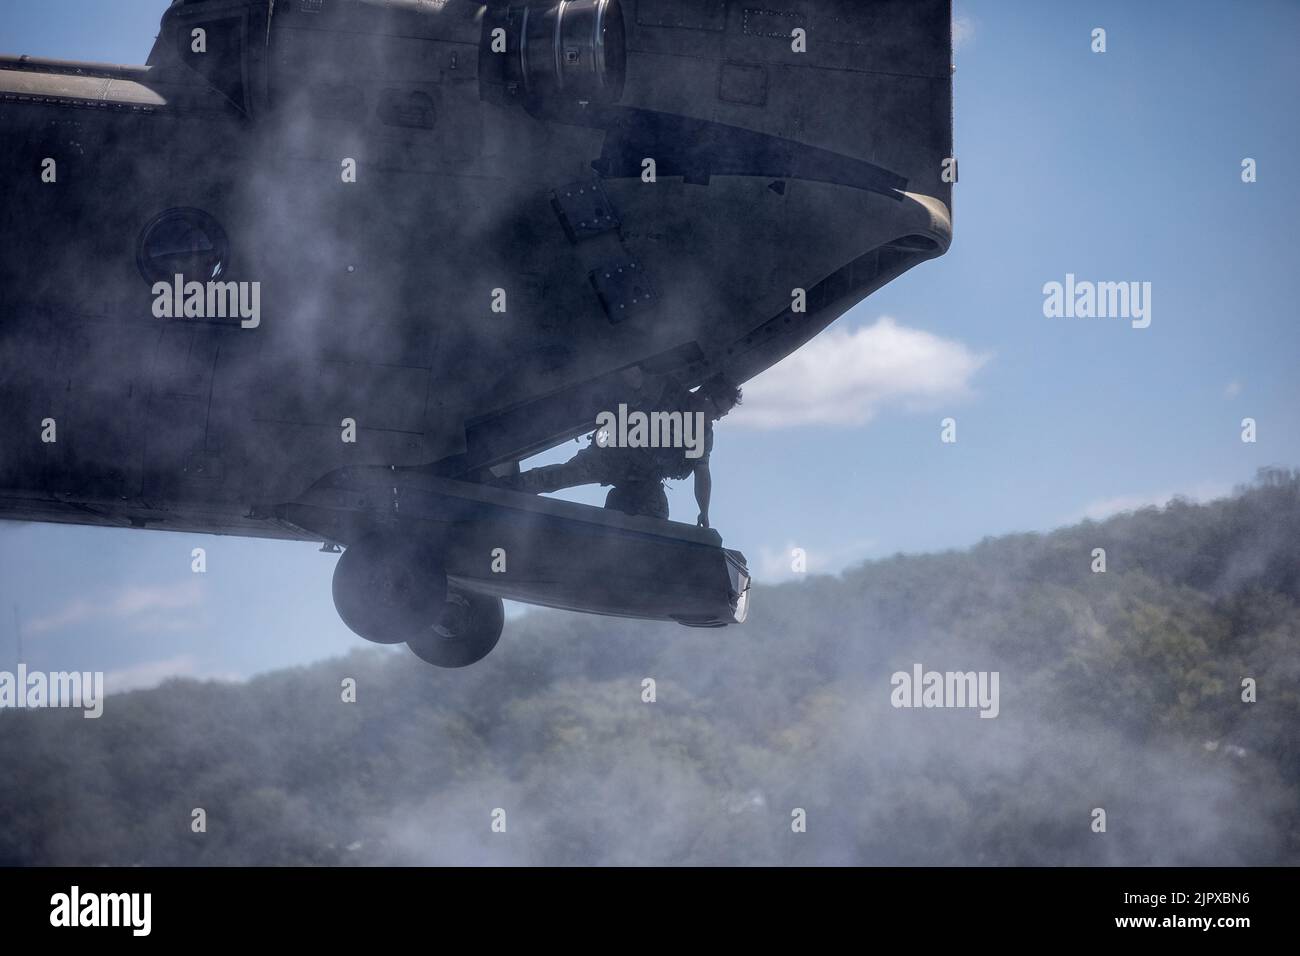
1116, 166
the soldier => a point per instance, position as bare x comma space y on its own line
638, 473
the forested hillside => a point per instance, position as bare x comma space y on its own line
1119, 690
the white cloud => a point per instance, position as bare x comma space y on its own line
143, 608
963, 30
776, 564
148, 674
1232, 390
844, 377
152, 673
1104, 508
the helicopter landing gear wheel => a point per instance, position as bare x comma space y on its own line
388, 591
467, 630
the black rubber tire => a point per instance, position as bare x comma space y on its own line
387, 590
466, 632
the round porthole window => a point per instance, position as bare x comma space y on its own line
186, 242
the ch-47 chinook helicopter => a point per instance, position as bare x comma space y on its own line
321, 269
